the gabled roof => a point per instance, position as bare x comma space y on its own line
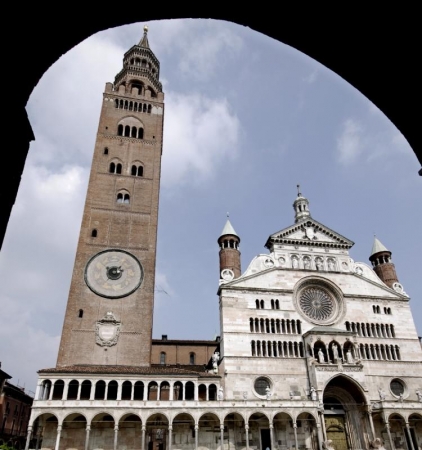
309, 232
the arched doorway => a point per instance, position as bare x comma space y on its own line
156, 432
345, 421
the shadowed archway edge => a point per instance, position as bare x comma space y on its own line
376, 52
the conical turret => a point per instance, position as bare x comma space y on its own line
381, 263
229, 253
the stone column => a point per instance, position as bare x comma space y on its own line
387, 425
272, 436
320, 437
106, 390
88, 429
295, 431
65, 390
116, 435
78, 396
158, 391
196, 436
184, 390
145, 392
196, 388
132, 390
412, 447
322, 419
143, 438
207, 392
247, 436
222, 437
92, 391
39, 392
171, 395
50, 394
119, 390
28, 437
37, 443
371, 423
59, 431
170, 437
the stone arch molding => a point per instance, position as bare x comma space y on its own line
345, 396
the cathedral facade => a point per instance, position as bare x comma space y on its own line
315, 350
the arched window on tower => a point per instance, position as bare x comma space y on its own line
126, 198
162, 358
140, 133
94, 233
120, 130
127, 131
137, 171
191, 358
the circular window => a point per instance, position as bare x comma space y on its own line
316, 303
262, 385
397, 387
319, 301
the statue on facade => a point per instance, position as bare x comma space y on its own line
331, 264
321, 358
328, 445
377, 443
220, 394
268, 393
295, 262
318, 264
419, 394
349, 357
313, 393
334, 348
215, 359
381, 394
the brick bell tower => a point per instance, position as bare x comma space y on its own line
109, 313
229, 253
382, 265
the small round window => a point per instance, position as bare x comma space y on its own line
262, 385
397, 387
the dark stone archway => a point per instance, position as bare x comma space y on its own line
376, 52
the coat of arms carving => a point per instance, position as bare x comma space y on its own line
107, 330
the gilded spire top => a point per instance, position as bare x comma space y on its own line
144, 41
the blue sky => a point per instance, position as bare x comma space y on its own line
247, 118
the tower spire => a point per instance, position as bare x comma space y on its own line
144, 40
301, 207
381, 262
229, 252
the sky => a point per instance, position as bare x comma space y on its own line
247, 118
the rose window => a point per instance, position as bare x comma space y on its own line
317, 304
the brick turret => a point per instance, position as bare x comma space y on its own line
229, 252
382, 265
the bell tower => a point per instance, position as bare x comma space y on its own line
109, 313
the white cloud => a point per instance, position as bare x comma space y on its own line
311, 77
199, 133
349, 144
30, 349
370, 142
202, 45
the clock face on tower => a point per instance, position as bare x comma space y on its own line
113, 274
